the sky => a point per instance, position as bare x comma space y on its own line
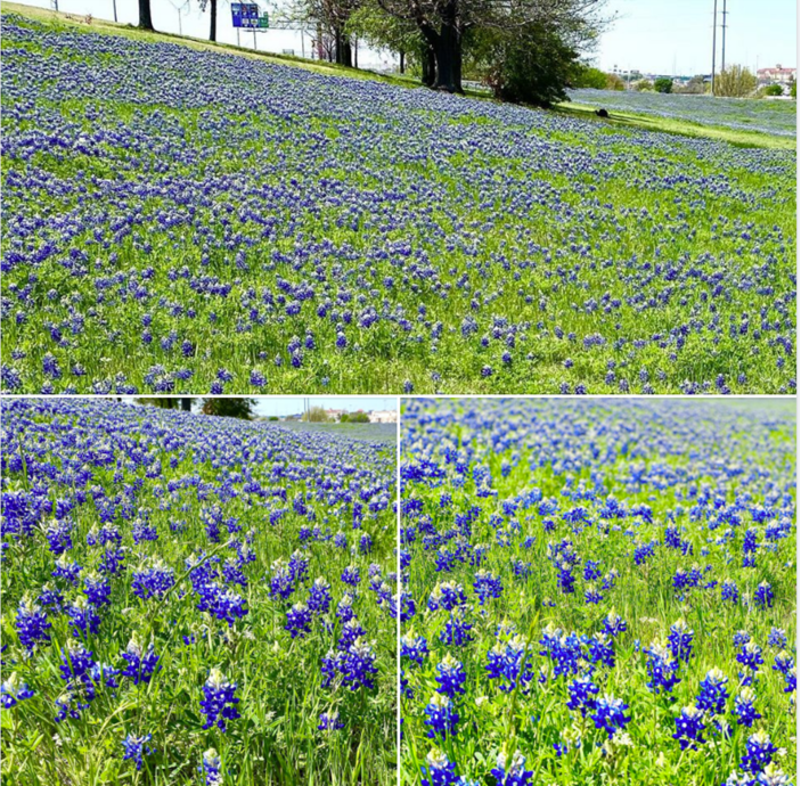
675, 36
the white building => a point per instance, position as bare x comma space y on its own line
383, 416
777, 76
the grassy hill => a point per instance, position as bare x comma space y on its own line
182, 217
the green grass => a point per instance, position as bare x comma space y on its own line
682, 127
486, 455
275, 742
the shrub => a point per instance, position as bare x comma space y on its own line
663, 85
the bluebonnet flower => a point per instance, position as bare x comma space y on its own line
413, 647
222, 602
662, 668
680, 641
581, 692
689, 728
329, 721
344, 609
153, 581
730, 591
359, 665
450, 676
487, 585
97, 589
83, 618
210, 768
67, 570
298, 566
59, 537
713, 693
13, 690
219, 702
136, 747
591, 595
446, 595
591, 570
744, 707
764, 596
783, 662
610, 715
601, 650
777, 638
512, 773
319, 597
759, 753
351, 575
510, 663
351, 632
437, 770
142, 664
751, 658
32, 624
442, 717
613, 624
282, 583
298, 620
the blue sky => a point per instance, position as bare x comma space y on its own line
651, 35
662, 35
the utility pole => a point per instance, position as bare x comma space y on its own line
714, 51
724, 25
114, 4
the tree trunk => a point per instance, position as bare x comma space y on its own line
213, 34
145, 20
355, 53
402, 62
186, 404
428, 66
448, 59
347, 52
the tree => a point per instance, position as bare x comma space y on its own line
735, 82
773, 90
530, 65
588, 76
793, 88
382, 31
241, 408
614, 82
316, 415
444, 24
663, 85
327, 20
695, 86
212, 6
145, 18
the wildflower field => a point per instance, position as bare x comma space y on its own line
193, 221
597, 593
194, 600
776, 118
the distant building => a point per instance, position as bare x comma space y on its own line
383, 416
776, 76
